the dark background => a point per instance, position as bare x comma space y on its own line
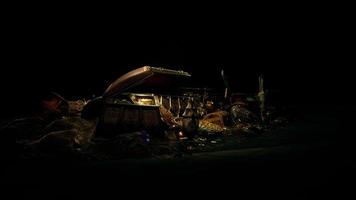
304, 57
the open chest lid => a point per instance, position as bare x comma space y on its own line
145, 78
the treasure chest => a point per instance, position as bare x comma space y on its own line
131, 103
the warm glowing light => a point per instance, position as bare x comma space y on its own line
180, 133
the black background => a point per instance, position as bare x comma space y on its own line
306, 55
